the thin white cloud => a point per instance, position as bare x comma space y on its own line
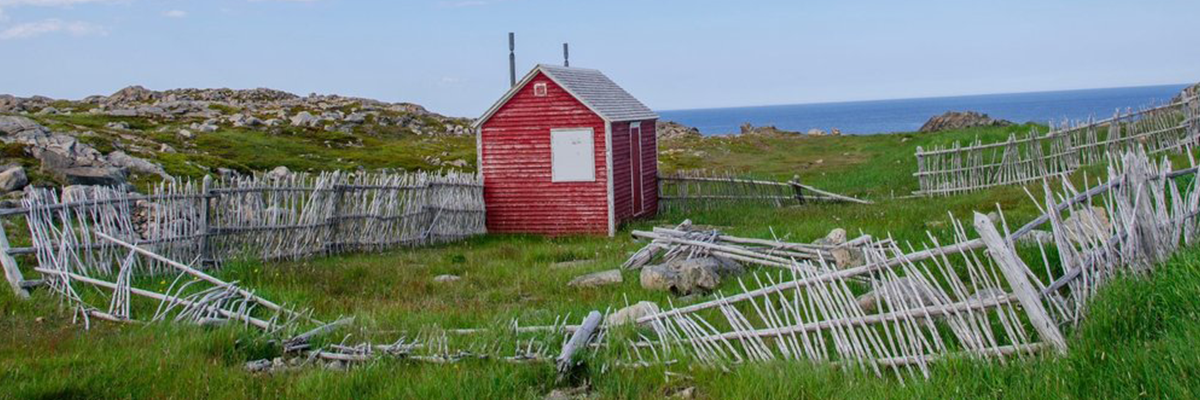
175, 14
54, 3
53, 25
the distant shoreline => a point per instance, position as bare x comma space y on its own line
906, 115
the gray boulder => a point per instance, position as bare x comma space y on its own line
602, 278
121, 160
92, 176
1088, 224
629, 315
279, 172
687, 276
305, 119
904, 292
12, 179
12, 125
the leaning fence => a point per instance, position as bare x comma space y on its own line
907, 307
263, 217
1028, 158
688, 190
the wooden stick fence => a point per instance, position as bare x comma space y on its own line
261, 217
1028, 158
972, 298
698, 189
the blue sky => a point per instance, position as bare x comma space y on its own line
451, 55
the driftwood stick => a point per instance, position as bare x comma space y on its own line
829, 194
578, 340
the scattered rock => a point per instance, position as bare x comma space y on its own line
907, 291
987, 294
13, 125
47, 111
961, 120
994, 217
817, 132
279, 172
666, 130
602, 278
339, 366
685, 393
446, 278
749, 129
12, 179
631, 314
263, 365
305, 119
1035, 237
687, 276
836, 237
1087, 224
570, 264
92, 176
186, 134
122, 125
121, 160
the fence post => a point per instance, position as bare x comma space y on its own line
335, 216
794, 183
205, 196
11, 272
1014, 272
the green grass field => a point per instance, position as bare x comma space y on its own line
1139, 340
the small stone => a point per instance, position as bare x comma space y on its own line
908, 292
117, 125
570, 264
336, 366
1035, 237
263, 365
279, 172
994, 217
631, 314
186, 134
602, 278
835, 237
446, 278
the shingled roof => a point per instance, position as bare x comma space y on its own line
591, 88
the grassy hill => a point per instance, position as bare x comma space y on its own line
1137, 342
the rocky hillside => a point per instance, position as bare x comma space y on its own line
139, 136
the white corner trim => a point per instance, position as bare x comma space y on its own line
608, 176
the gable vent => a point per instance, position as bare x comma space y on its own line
539, 89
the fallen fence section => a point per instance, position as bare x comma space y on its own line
972, 298
1029, 158
262, 217
697, 189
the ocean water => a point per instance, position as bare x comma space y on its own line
907, 115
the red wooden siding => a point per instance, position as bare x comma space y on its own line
622, 193
649, 168
515, 151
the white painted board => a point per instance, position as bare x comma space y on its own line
573, 155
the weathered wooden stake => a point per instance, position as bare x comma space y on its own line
11, 272
1014, 271
579, 340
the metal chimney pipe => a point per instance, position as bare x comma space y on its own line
566, 56
512, 60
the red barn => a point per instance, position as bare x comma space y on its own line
567, 151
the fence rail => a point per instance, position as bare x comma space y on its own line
1022, 159
262, 217
699, 189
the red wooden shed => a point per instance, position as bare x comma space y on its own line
567, 151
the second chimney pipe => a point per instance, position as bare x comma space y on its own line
566, 56
512, 60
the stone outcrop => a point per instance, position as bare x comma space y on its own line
961, 120
72, 161
687, 276
667, 130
